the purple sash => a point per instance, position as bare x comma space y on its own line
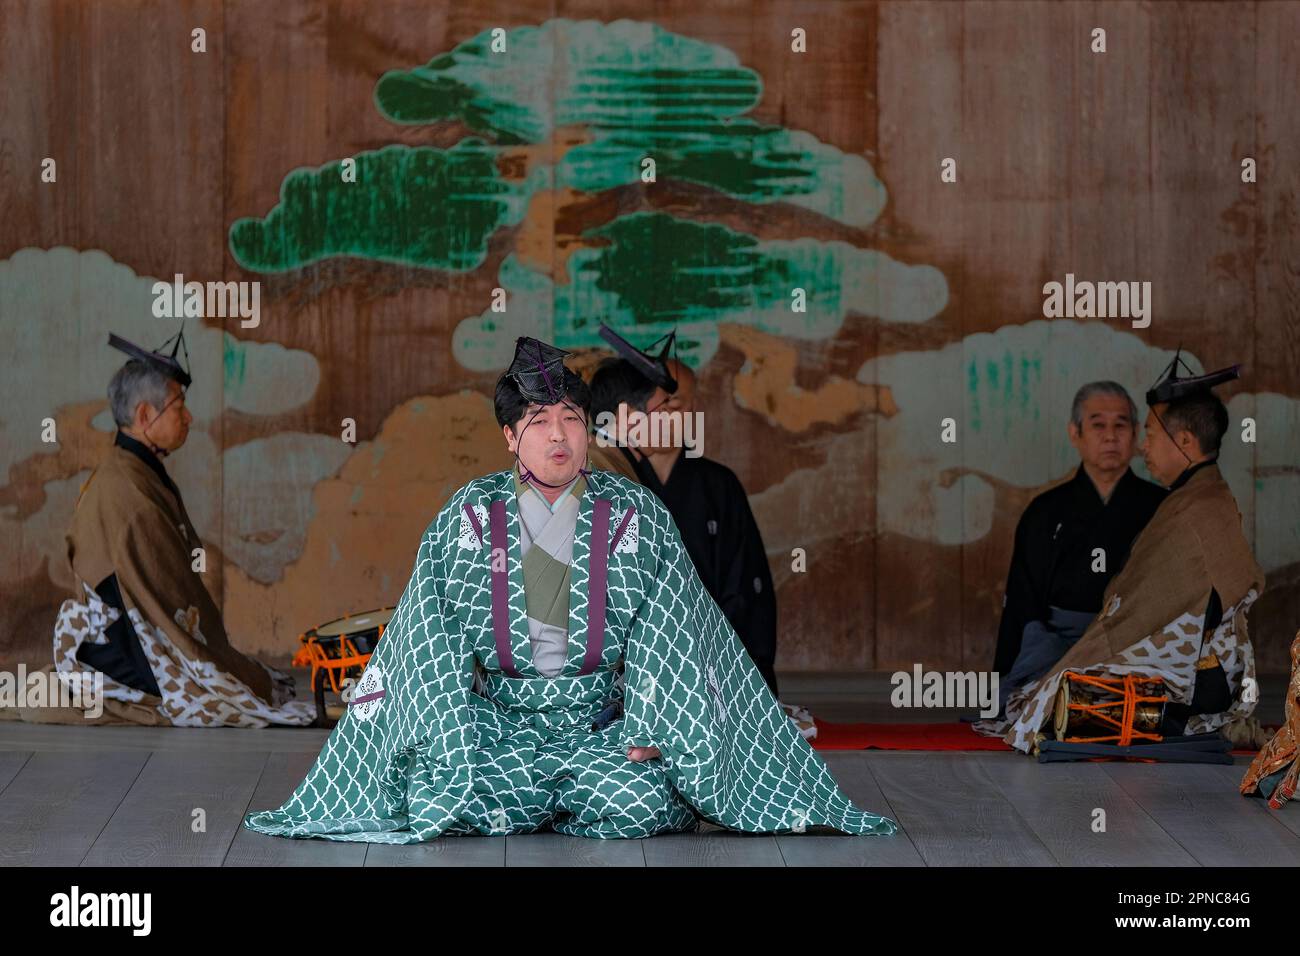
501, 588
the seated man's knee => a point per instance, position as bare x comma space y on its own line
624, 799
505, 798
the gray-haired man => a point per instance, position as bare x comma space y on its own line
1074, 538
142, 620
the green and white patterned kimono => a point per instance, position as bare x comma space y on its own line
424, 749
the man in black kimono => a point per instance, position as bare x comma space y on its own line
1073, 539
706, 500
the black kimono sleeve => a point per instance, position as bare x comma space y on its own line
1023, 599
745, 591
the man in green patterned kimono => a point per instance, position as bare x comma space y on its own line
555, 661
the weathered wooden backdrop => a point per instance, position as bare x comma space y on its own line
817, 169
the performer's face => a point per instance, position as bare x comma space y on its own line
551, 441
1166, 457
1106, 436
169, 426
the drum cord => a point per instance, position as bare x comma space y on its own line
1128, 707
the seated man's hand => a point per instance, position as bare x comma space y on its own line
639, 754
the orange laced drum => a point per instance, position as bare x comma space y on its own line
1109, 710
339, 651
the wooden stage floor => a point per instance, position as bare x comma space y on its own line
124, 796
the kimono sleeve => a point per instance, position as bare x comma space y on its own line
398, 767
747, 597
692, 691
152, 559
1021, 599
